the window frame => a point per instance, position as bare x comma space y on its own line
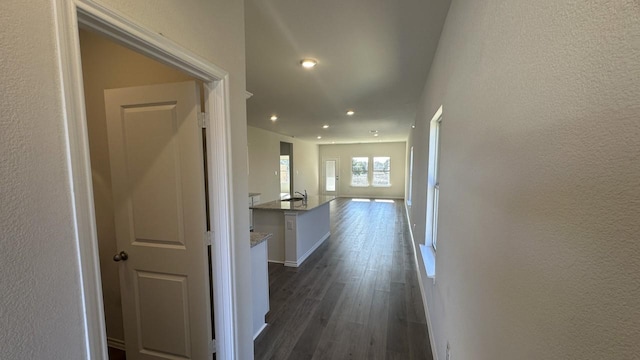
351, 183
433, 180
410, 192
373, 172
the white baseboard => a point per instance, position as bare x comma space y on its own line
275, 261
264, 326
299, 262
116, 343
422, 292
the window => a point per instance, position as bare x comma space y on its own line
381, 171
360, 171
433, 180
410, 192
284, 175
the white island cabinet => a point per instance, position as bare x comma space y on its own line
259, 280
298, 227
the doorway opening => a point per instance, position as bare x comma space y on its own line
330, 176
70, 16
129, 76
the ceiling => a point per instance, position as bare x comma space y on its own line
373, 58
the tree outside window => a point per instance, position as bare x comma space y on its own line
360, 171
381, 171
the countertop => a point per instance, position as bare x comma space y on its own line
258, 237
313, 201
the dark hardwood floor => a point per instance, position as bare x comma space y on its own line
116, 354
355, 297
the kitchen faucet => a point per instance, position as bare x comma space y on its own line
304, 196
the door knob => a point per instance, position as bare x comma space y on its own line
122, 256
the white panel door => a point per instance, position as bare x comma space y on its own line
330, 176
155, 149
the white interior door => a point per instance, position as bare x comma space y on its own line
330, 176
155, 149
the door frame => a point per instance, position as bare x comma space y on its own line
324, 174
69, 15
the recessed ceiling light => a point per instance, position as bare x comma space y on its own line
308, 63
333, 142
325, 126
319, 137
274, 118
350, 112
376, 134
413, 126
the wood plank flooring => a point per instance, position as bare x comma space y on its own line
355, 297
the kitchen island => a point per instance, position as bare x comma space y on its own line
299, 227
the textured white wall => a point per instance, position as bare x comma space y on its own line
40, 273
540, 180
264, 161
397, 152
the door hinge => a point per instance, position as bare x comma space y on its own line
212, 346
208, 238
203, 120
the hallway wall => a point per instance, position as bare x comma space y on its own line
539, 193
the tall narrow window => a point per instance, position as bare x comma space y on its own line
381, 171
410, 192
433, 181
360, 171
285, 176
